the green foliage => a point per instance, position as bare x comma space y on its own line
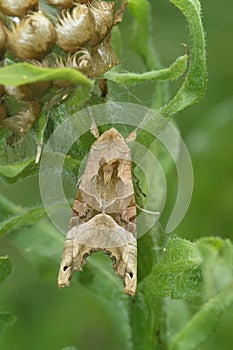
27, 217
24, 73
170, 268
194, 85
17, 170
173, 72
183, 258
6, 318
5, 268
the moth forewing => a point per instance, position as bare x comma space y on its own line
104, 213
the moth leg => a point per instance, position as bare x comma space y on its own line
94, 129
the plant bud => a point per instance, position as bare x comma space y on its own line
75, 29
22, 122
16, 7
64, 4
32, 38
84, 61
103, 59
104, 13
3, 39
27, 92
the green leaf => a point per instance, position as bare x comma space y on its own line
217, 254
171, 73
27, 217
42, 124
204, 322
7, 319
195, 82
5, 268
14, 170
140, 41
140, 36
145, 316
24, 73
179, 273
9, 206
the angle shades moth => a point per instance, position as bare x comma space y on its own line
104, 213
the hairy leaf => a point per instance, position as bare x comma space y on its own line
195, 82
204, 322
14, 170
171, 73
179, 273
141, 42
5, 268
24, 73
27, 217
145, 318
217, 254
7, 319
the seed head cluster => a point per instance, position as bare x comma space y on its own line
52, 33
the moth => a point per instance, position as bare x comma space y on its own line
104, 213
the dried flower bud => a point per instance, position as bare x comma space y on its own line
16, 7
75, 29
27, 92
104, 13
84, 61
22, 122
83, 1
103, 59
3, 39
53, 61
32, 38
64, 4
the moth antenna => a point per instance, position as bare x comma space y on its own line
148, 211
132, 136
94, 129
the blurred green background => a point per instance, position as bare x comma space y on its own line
50, 319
